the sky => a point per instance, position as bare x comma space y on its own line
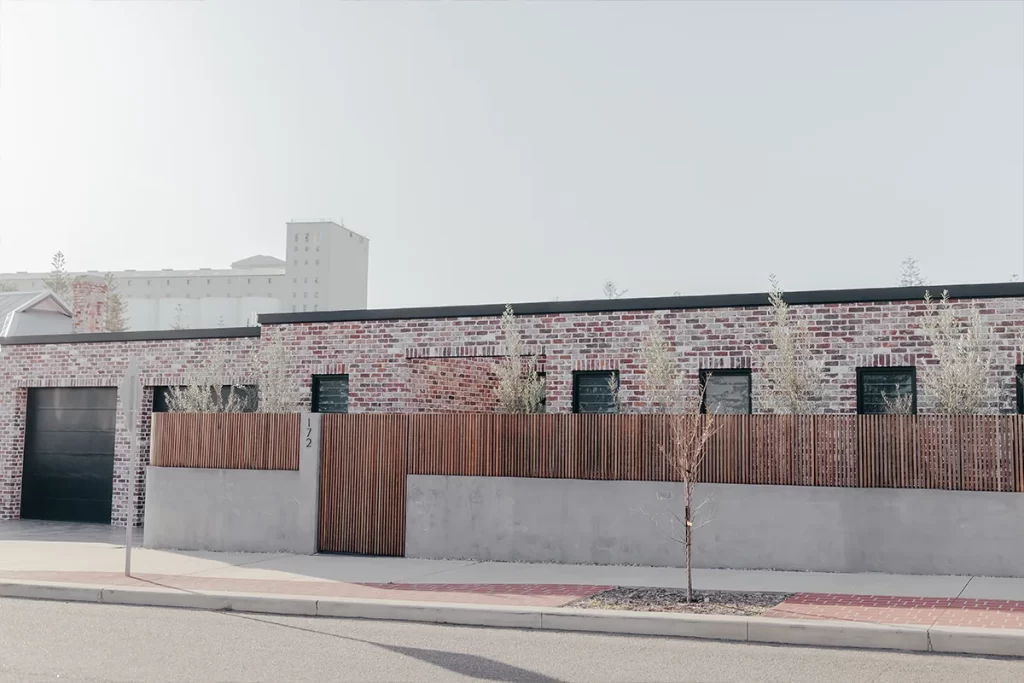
513, 150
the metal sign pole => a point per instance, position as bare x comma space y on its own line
133, 460
130, 402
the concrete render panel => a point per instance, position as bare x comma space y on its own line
649, 624
432, 612
228, 510
820, 529
837, 634
977, 641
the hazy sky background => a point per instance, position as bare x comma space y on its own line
497, 151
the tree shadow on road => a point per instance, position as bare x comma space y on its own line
474, 666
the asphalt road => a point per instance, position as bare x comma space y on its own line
51, 641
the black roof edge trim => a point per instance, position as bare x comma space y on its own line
804, 298
142, 335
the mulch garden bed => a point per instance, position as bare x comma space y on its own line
674, 600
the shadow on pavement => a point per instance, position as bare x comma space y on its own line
474, 666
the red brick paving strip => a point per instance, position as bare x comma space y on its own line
883, 609
523, 595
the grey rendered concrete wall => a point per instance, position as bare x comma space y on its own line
739, 526
257, 511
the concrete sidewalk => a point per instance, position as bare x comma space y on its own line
23, 558
950, 613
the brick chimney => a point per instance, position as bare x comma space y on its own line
89, 304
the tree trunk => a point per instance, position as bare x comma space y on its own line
689, 544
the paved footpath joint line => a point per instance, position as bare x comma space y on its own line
883, 609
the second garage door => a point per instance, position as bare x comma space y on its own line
69, 454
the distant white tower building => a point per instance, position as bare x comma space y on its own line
325, 268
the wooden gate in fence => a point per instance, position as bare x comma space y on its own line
365, 458
362, 484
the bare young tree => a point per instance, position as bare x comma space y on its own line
206, 391
277, 393
689, 434
519, 388
613, 292
58, 281
959, 382
115, 317
792, 375
200, 397
6, 286
660, 381
910, 274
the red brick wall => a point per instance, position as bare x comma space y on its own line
394, 365
161, 363
453, 385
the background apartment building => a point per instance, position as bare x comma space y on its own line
325, 267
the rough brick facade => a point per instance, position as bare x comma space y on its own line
445, 364
453, 385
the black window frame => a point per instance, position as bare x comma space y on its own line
704, 373
888, 370
576, 386
1019, 375
315, 391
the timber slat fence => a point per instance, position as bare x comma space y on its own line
979, 453
365, 458
249, 441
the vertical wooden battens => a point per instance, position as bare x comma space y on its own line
252, 441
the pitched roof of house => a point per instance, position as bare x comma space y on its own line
18, 302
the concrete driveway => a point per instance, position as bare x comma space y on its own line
66, 532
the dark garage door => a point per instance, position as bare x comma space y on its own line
69, 454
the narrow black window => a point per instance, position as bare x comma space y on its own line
543, 377
726, 392
595, 392
886, 391
330, 393
1020, 389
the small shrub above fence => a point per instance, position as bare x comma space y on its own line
248, 441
